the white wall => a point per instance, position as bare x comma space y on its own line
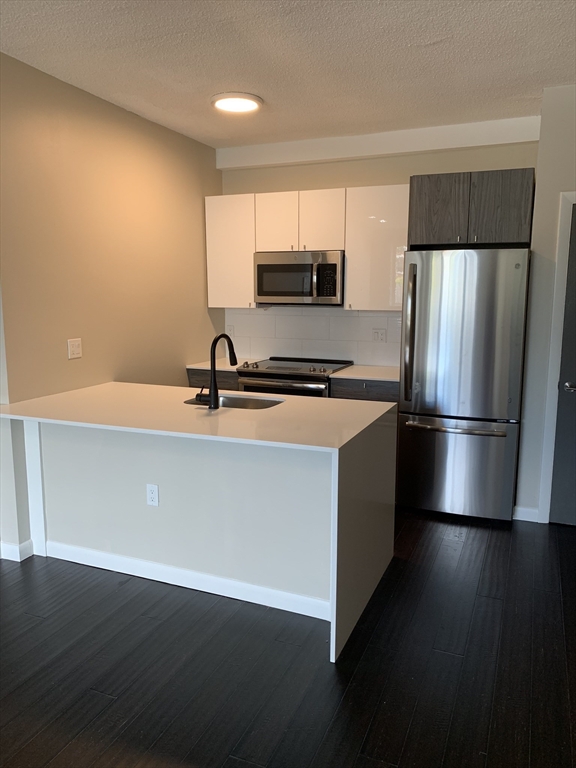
555, 173
321, 332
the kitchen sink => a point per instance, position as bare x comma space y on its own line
241, 401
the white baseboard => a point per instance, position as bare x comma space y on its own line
17, 552
528, 514
204, 582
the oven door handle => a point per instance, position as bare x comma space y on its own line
277, 384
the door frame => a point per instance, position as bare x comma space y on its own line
567, 200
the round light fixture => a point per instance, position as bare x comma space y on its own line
237, 102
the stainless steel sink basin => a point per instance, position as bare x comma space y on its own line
241, 401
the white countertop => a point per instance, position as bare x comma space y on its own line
373, 372
303, 422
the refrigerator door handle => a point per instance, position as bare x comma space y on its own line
456, 431
409, 332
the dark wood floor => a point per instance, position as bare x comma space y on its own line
464, 659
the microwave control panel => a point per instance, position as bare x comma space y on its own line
327, 280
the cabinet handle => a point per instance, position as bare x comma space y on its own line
458, 240
349, 306
292, 247
304, 246
364, 385
475, 238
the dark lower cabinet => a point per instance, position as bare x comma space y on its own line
358, 389
201, 378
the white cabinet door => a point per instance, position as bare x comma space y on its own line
230, 246
376, 238
277, 221
322, 217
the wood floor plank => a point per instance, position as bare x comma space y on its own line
185, 619
394, 623
366, 762
137, 597
155, 673
192, 721
387, 733
233, 719
495, 569
509, 742
429, 727
546, 565
144, 730
345, 735
45, 745
566, 540
243, 686
13, 630
265, 731
457, 615
61, 631
550, 717
20, 729
467, 743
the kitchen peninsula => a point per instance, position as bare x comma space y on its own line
291, 506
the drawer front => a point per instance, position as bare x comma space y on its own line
201, 378
359, 389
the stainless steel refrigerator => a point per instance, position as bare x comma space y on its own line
461, 380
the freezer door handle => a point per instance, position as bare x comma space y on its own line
410, 332
456, 431
570, 386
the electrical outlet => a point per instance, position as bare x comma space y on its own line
152, 495
230, 330
74, 348
378, 335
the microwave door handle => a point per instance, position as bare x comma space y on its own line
315, 280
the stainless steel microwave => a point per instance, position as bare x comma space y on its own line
299, 277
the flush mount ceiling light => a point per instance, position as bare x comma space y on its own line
237, 102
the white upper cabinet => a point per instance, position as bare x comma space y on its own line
321, 220
277, 221
230, 246
376, 238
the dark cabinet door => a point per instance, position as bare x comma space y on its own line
501, 206
199, 377
356, 389
438, 212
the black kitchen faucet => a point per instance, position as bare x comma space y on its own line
212, 397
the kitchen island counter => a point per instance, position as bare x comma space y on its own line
312, 423
290, 506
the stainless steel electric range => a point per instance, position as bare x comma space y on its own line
290, 375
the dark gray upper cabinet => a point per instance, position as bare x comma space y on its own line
438, 211
501, 206
485, 207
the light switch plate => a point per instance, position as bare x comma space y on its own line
74, 348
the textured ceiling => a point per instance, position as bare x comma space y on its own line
323, 67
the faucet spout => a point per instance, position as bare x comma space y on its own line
213, 392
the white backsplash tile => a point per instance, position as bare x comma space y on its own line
356, 328
330, 350
263, 348
241, 346
254, 324
395, 329
300, 327
327, 332
377, 353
